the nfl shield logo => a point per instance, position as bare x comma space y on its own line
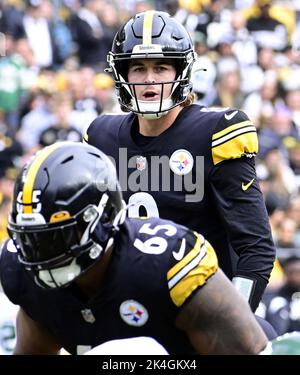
141, 163
88, 316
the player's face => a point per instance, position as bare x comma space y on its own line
151, 71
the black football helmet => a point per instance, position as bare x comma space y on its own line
67, 207
149, 35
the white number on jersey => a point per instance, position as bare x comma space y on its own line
154, 245
142, 199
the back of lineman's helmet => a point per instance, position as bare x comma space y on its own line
149, 35
67, 206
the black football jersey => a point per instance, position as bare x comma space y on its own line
156, 266
200, 172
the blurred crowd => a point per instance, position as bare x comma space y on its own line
53, 84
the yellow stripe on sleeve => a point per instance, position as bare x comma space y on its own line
234, 148
194, 274
231, 128
190, 256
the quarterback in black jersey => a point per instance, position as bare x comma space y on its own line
179, 161
84, 274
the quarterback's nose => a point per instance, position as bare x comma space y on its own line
149, 76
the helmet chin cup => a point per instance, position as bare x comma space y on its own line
153, 116
58, 277
152, 110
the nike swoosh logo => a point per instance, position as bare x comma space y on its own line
231, 115
246, 186
180, 253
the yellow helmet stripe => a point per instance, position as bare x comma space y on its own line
31, 176
147, 27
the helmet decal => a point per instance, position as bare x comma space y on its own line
147, 27
28, 198
59, 216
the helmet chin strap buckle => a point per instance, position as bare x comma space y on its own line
90, 214
95, 251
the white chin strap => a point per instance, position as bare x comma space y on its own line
145, 106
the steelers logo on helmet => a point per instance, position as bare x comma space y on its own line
181, 162
152, 35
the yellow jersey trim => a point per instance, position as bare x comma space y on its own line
193, 272
234, 148
231, 128
190, 256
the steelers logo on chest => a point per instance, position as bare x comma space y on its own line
181, 162
133, 313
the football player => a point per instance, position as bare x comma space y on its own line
180, 161
84, 274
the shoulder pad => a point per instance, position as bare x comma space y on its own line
11, 272
8, 246
106, 121
234, 136
195, 261
85, 138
